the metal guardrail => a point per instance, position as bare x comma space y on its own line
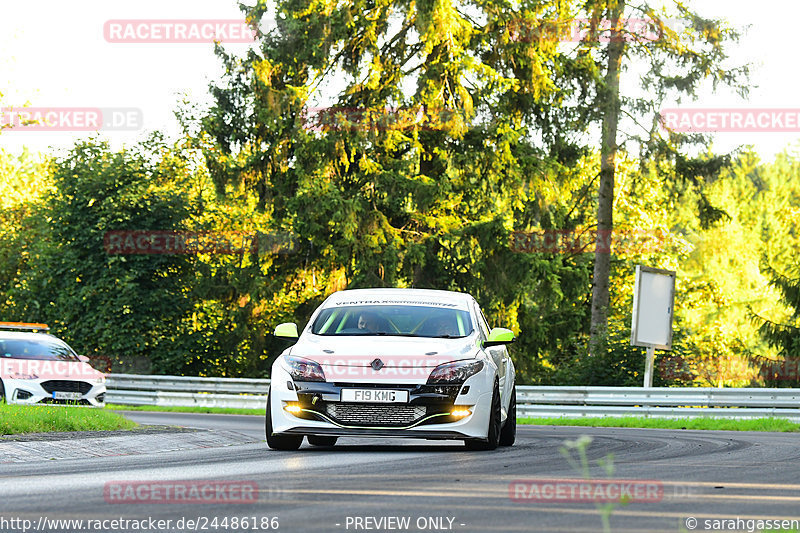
658, 402
132, 389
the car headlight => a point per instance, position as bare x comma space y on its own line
454, 373
302, 369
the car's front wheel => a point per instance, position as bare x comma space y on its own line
493, 431
279, 442
322, 440
509, 432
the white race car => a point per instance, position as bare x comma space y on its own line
393, 363
36, 367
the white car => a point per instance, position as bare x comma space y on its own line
36, 367
393, 363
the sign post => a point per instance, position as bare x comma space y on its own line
651, 321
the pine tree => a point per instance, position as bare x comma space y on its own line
679, 62
785, 337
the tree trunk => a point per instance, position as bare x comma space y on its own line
610, 100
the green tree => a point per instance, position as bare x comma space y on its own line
675, 65
128, 308
25, 181
776, 217
439, 136
783, 335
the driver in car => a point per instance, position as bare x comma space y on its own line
439, 327
368, 322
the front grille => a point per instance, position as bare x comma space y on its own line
82, 401
63, 385
359, 414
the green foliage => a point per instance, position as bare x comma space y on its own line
21, 189
784, 336
124, 307
724, 286
401, 144
623, 365
376, 195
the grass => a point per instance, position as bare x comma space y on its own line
192, 409
21, 419
716, 424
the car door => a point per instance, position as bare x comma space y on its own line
497, 353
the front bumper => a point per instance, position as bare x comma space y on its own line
426, 415
32, 391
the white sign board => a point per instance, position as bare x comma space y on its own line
653, 297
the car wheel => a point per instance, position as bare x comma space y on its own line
279, 442
322, 440
493, 431
509, 432
2, 392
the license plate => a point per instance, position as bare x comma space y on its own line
374, 395
60, 395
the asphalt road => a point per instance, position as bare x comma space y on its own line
377, 484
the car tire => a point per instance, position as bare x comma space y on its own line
322, 440
493, 431
2, 392
509, 432
279, 442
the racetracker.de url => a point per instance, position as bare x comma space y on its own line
197, 523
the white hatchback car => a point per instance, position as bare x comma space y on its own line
36, 367
393, 363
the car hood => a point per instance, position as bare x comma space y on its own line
373, 359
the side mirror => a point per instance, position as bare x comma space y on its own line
287, 330
83, 359
499, 337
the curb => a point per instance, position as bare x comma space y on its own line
86, 444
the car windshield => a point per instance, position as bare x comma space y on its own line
43, 349
396, 320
